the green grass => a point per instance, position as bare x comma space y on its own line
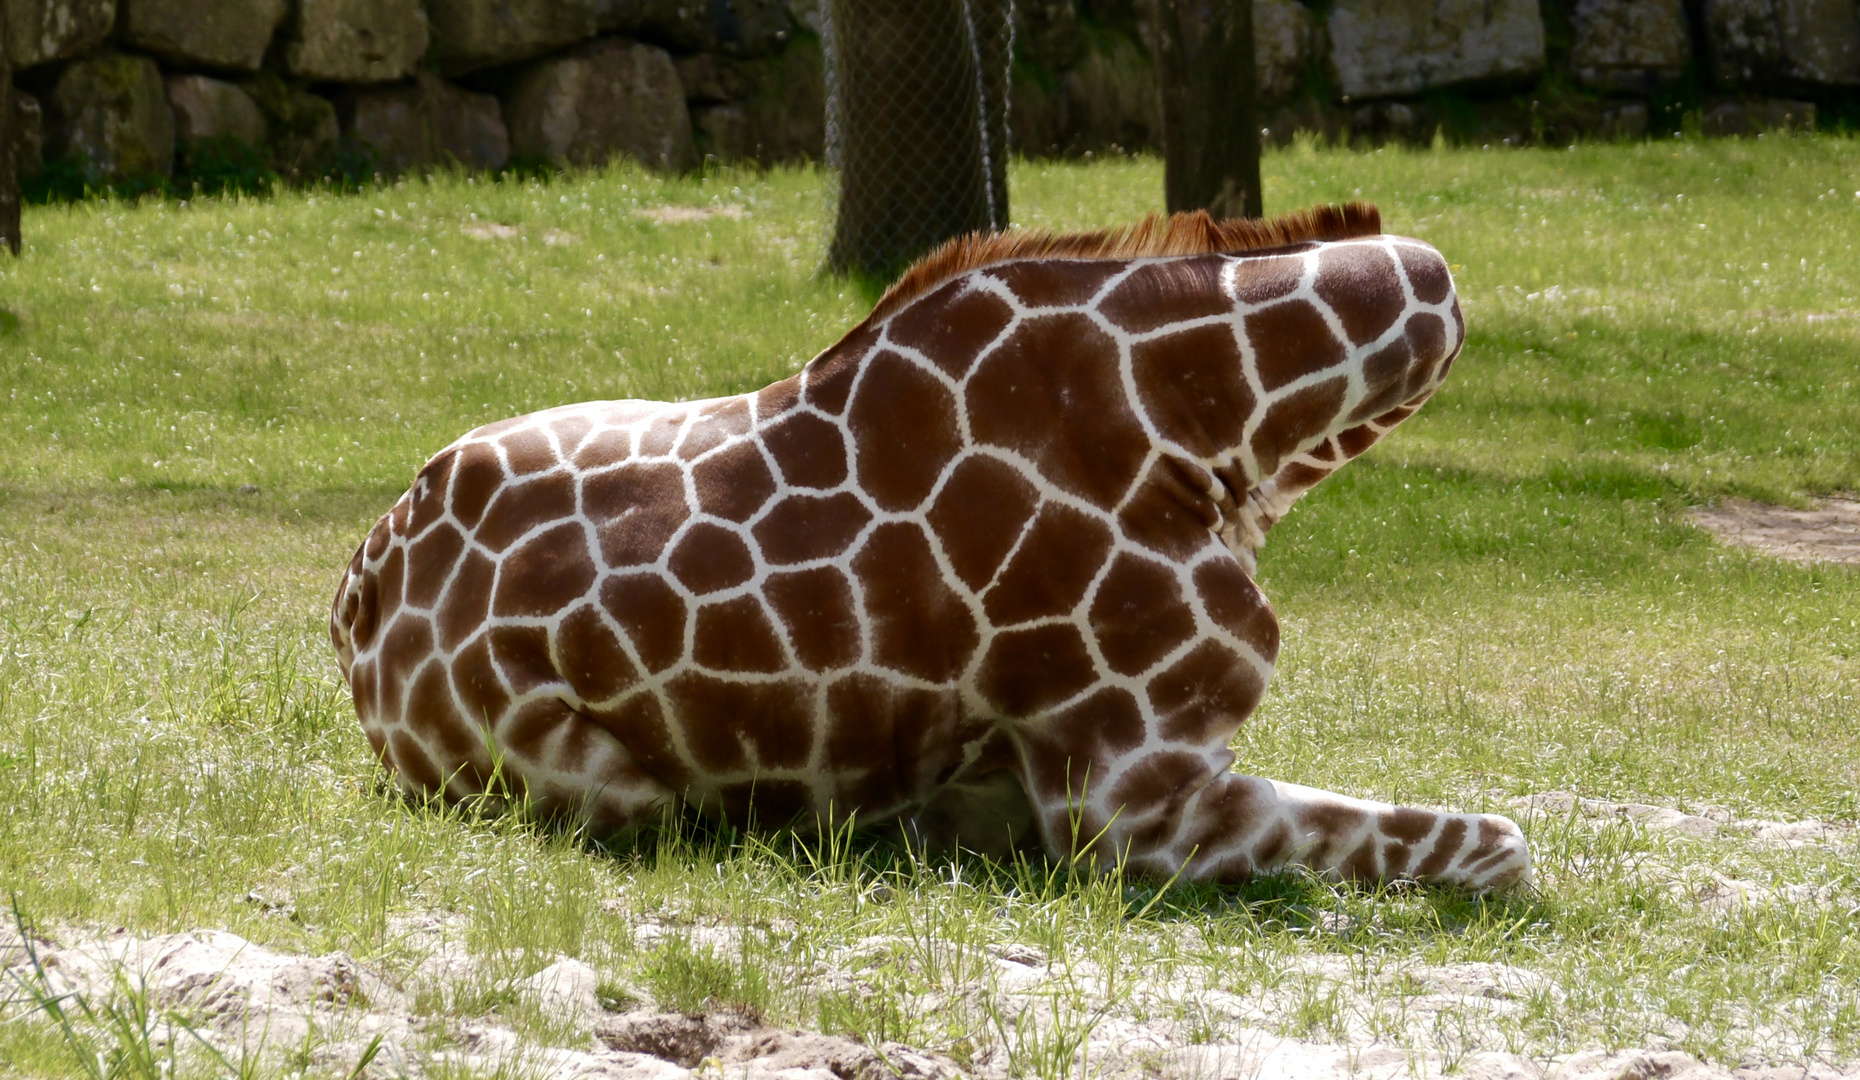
205, 404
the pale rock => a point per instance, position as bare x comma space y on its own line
1766, 44
473, 34
600, 101
207, 108
40, 31
1283, 36
1629, 46
1657, 818
1390, 48
227, 34
468, 128
109, 114
564, 992
356, 41
1634, 1065
776, 110
301, 128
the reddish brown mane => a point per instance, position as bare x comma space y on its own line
1177, 234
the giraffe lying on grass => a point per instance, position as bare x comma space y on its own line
984, 567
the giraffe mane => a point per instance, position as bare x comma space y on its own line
1155, 235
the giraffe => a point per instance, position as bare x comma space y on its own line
984, 568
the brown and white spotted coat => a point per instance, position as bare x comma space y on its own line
983, 567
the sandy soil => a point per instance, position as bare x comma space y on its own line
1828, 533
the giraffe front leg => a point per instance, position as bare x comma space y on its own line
1184, 812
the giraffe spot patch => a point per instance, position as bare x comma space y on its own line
638, 724
1291, 340
979, 514
1263, 280
1063, 550
1172, 291
589, 655
652, 614
429, 493
1295, 420
462, 611
829, 377
1204, 697
735, 635
919, 625
1359, 283
520, 507
521, 654
474, 681
951, 326
429, 561
801, 528
809, 451
716, 424
1235, 604
1053, 394
545, 573
1171, 511
1193, 388
903, 424
885, 741
733, 727
605, 447
411, 762
636, 509
1041, 283
476, 476
1139, 615
1027, 671
816, 607
733, 484
527, 451
1428, 274
711, 558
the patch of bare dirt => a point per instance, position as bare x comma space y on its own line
1829, 533
335, 1015
684, 215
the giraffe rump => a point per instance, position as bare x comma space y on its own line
1156, 234
982, 569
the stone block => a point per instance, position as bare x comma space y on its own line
473, 34
207, 108
356, 41
40, 31
709, 80
739, 28
1756, 117
301, 127
1391, 48
776, 111
1783, 44
228, 34
1628, 46
109, 115
391, 126
28, 134
1626, 123
1283, 33
600, 101
809, 15
468, 128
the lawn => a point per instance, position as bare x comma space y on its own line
207, 403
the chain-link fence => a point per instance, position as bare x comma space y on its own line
916, 125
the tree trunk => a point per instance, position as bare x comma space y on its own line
9, 152
1210, 118
915, 124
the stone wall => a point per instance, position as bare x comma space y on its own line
115, 91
